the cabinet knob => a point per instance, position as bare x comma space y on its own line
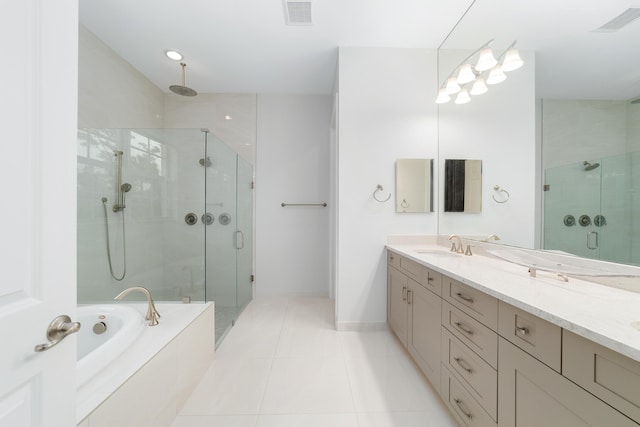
522, 330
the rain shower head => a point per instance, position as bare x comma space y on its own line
589, 166
183, 89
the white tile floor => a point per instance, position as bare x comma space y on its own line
284, 365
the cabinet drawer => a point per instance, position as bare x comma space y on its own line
610, 376
411, 268
481, 306
432, 280
480, 379
393, 259
464, 407
474, 334
539, 338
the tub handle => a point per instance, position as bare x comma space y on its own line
58, 329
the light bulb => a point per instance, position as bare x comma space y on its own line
512, 60
465, 75
479, 87
496, 76
463, 97
486, 61
452, 86
443, 96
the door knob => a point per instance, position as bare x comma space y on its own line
58, 329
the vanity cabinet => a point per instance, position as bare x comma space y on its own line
414, 312
498, 365
532, 394
608, 375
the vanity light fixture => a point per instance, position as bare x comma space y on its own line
496, 75
469, 79
173, 54
463, 97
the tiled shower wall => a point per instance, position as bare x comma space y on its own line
605, 132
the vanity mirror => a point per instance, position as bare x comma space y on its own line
586, 137
414, 185
463, 186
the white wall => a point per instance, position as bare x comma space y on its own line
386, 112
111, 93
292, 167
499, 129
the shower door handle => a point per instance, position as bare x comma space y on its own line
239, 240
592, 240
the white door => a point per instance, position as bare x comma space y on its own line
38, 74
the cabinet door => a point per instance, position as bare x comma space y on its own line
424, 341
397, 303
530, 394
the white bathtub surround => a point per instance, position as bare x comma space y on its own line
285, 365
149, 383
602, 314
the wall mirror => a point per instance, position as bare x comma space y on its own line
414, 185
587, 88
463, 185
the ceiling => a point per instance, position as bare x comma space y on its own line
244, 46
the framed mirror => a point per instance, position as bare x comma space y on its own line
414, 185
463, 185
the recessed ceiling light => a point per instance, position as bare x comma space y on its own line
228, 117
173, 54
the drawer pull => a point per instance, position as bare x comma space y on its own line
464, 328
463, 364
522, 330
430, 278
391, 257
409, 299
464, 297
465, 411
404, 293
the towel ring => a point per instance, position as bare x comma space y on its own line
379, 188
500, 190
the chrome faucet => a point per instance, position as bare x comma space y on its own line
152, 314
491, 236
456, 248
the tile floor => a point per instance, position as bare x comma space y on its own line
284, 365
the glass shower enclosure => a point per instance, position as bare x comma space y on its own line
167, 209
591, 208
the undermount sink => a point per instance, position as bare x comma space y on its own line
436, 252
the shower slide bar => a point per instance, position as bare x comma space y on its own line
283, 204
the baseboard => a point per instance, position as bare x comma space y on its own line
362, 326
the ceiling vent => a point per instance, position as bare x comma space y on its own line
297, 12
622, 20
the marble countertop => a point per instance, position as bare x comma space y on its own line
597, 312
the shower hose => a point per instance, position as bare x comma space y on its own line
124, 245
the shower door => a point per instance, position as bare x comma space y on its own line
245, 232
589, 211
229, 237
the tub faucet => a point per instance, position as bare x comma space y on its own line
152, 314
456, 248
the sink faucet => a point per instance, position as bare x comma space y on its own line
456, 248
491, 236
152, 314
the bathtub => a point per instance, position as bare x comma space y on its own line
116, 328
113, 363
